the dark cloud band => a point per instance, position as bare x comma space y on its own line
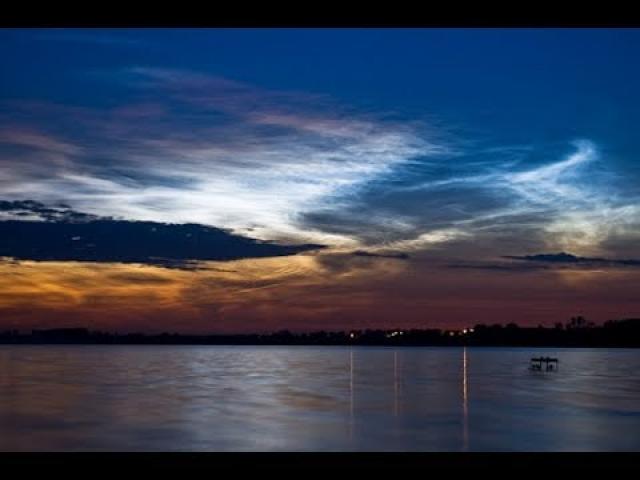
62, 234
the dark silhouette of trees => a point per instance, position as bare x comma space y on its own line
577, 322
578, 333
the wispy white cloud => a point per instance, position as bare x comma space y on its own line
220, 152
554, 182
429, 239
260, 168
583, 209
571, 203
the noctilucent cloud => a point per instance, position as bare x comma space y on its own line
331, 178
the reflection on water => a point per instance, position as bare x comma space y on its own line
316, 398
396, 383
465, 402
351, 406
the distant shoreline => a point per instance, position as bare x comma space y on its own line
148, 344
576, 334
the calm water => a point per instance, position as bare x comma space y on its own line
316, 398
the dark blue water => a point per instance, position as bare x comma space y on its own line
146, 398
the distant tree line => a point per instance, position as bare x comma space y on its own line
575, 333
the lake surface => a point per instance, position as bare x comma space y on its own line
238, 398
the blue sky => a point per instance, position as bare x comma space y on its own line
463, 74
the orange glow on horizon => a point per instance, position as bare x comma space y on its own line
330, 291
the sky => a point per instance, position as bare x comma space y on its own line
250, 180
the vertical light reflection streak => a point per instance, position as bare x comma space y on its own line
351, 394
465, 399
396, 384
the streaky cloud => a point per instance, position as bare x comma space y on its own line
563, 258
396, 255
233, 155
546, 261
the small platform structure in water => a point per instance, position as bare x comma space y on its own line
539, 364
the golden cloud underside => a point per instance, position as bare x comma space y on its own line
303, 292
